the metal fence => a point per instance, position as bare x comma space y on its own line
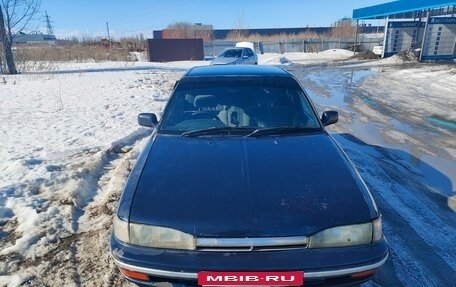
165, 50
301, 45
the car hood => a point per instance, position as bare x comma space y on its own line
232, 187
223, 61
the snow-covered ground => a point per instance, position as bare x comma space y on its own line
304, 58
62, 166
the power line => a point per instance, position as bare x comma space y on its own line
50, 28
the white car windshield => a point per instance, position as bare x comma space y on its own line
231, 53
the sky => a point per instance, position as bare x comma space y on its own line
89, 17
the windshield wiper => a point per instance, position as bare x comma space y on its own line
217, 130
283, 130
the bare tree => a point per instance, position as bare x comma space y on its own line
14, 17
2, 67
185, 30
203, 32
182, 30
240, 32
344, 28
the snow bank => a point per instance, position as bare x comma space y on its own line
12, 281
61, 161
304, 58
139, 63
427, 90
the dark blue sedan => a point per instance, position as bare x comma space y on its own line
240, 175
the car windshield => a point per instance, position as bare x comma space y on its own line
231, 53
238, 105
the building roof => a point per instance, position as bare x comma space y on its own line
28, 38
404, 7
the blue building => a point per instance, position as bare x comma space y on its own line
427, 26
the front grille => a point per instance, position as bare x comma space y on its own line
251, 244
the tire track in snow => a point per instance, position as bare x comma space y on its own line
93, 213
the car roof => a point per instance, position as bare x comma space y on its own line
236, 70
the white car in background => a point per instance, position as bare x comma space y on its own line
245, 45
243, 53
378, 50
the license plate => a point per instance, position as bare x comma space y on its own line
286, 278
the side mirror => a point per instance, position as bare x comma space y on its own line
245, 57
329, 118
147, 120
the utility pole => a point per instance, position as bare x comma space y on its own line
109, 36
50, 29
356, 37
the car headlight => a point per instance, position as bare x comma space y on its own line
160, 237
348, 235
121, 229
152, 236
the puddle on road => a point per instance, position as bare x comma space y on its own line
358, 75
366, 131
341, 85
334, 101
402, 127
338, 83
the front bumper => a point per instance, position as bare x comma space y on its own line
320, 266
